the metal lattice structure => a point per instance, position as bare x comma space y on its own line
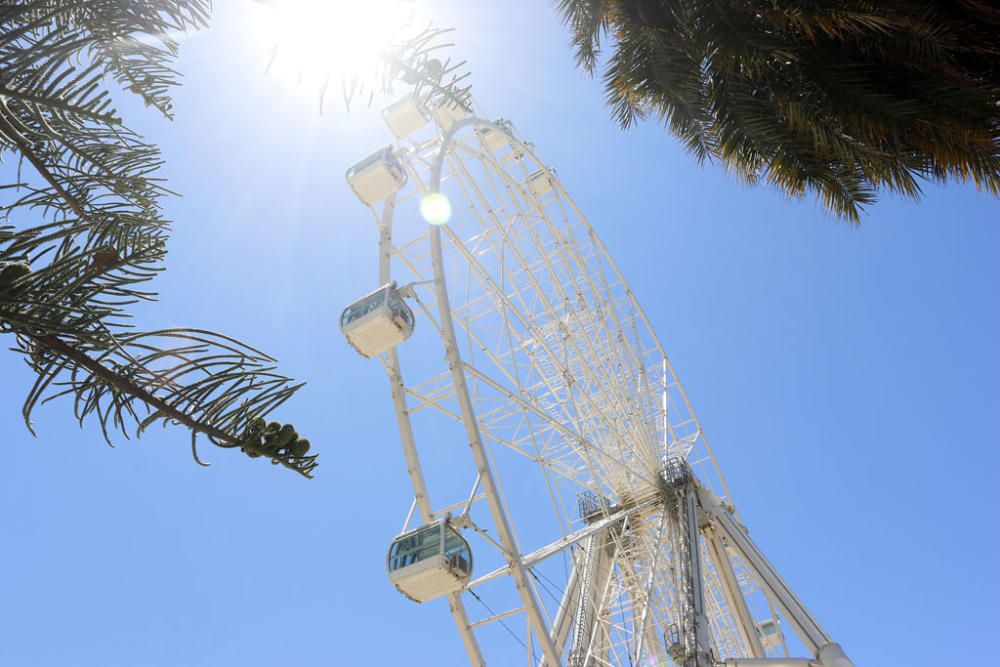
540, 409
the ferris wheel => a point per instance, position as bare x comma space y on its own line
566, 503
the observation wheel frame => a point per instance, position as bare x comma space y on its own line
551, 359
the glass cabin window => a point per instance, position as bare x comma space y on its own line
456, 550
377, 156
415, 548
399, 308
366, 305
426, 543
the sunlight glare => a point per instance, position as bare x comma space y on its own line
337, 39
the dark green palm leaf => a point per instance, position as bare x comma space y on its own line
843, 99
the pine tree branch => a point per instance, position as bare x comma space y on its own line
127, 386
68, 277
9, 131
165, 410
58, 103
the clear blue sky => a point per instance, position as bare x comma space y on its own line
849, 379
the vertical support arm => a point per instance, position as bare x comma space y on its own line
703, 634
731, 589
805, 625
413, 468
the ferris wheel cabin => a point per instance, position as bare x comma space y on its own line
377, 322
769, 633
405, 116
378, 176
449, 112
494, 139
429, 562
540, 183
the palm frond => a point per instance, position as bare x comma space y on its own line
844, 99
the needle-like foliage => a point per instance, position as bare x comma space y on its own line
83, 233
843, 98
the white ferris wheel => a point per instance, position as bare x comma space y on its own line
566, 502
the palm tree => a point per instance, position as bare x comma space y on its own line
844, 98
82, 233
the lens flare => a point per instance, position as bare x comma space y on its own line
435, 208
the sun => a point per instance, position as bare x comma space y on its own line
331, 40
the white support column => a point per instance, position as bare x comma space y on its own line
585, 614
702, 633
600, 640
645, 637
562, 623
815, 638
731, 589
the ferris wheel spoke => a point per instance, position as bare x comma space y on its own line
534, 282
644, 600
569, 436
575, 264
500, 518
600, 384
621, 439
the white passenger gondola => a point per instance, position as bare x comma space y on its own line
496, 139
377, 322
449, 112
770, 634
540, 183
405, 116
429, 562
377, 176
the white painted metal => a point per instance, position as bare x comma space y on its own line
563, 622
479, 455
749, 631
559, 386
